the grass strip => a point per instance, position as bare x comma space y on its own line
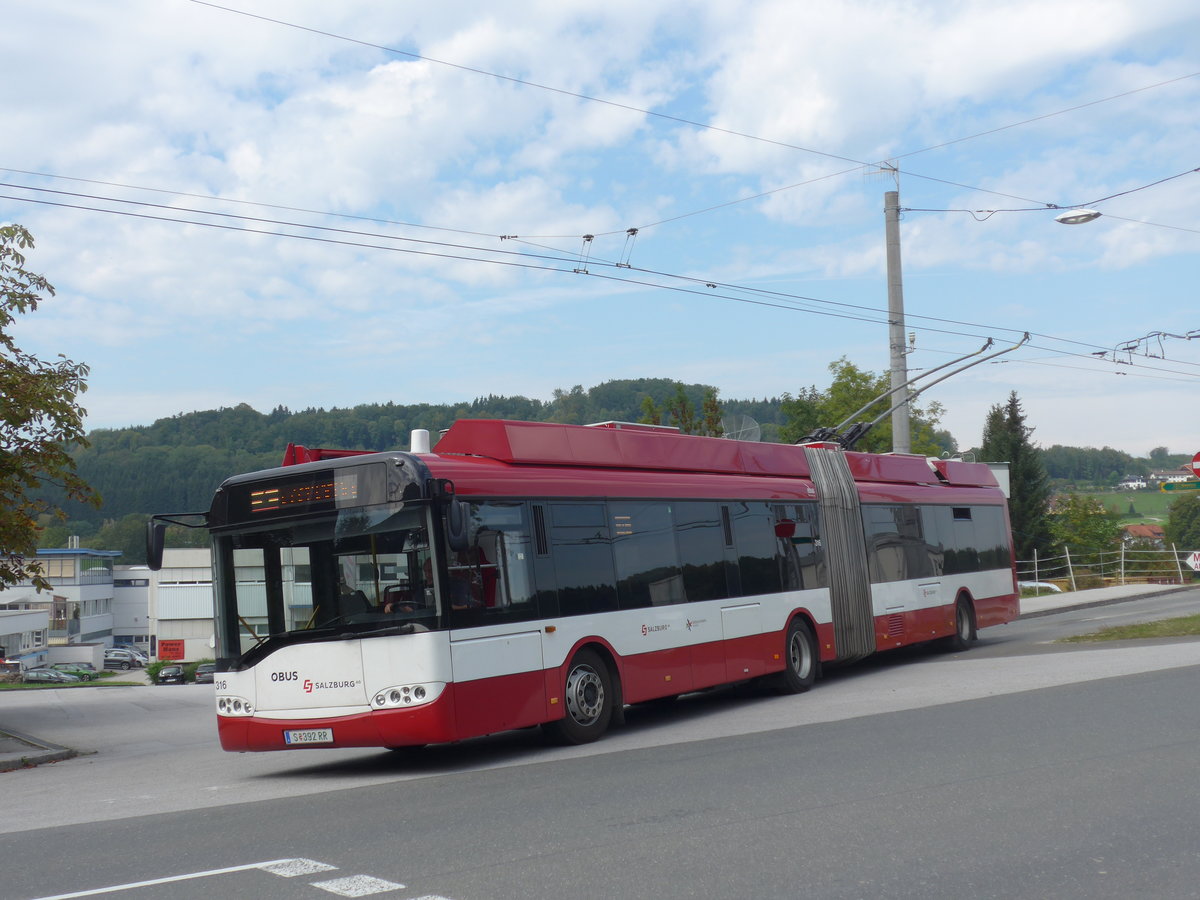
1185, 626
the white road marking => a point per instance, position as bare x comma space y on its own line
170, 879
350, 886
290, 868
357, 886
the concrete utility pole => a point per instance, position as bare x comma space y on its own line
901, 434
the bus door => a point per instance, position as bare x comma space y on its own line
907, 587
495, 644
741, 628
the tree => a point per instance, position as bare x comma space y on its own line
853, 388
569, 407
127, 534
651, 415
801, 414
710, 414
681, 411
40, 421
1183, 523
1006, 439
1086, 526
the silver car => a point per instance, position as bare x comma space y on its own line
121, 659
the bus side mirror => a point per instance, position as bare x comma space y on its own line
457, 520
155, 531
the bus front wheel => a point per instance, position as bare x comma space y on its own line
588, 698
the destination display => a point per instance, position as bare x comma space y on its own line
339, 489
315, 492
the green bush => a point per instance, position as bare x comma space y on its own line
189, 669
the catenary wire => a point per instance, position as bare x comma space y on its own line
779, 301
557, 254
781, 298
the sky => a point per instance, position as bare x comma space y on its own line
315, 204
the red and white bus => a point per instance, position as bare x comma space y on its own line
530, 573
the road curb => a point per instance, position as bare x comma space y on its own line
1102, 601
20, 751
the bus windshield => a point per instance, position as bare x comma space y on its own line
358, 571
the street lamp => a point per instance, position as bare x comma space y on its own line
1077, 216
901, 427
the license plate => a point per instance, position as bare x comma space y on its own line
309, 736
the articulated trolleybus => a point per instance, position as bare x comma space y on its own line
539, 574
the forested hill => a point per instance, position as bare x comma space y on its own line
1104, 466
175, 464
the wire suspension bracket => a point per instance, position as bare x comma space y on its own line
852, 434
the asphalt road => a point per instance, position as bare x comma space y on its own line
1018, 769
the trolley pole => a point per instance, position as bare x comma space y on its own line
901, 434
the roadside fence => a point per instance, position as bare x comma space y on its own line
1081, 568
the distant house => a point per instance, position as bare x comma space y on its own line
1152, 534
1132, 483
1174, 475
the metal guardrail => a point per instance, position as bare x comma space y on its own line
1080, 567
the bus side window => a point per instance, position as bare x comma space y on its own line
491, 568
581, 548
501, 559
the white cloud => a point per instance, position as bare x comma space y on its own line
187, 98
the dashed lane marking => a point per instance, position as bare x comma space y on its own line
291, 868
350, 886
357, 886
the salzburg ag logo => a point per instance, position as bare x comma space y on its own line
310, 686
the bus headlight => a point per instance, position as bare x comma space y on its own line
407, 695
234, 706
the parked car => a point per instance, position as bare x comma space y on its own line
205, 672
170, 675
121, 659
50, 676
10, 671
84, 671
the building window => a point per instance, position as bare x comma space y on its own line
58, 567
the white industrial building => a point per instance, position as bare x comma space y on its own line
93, 604
180, 605
75, 614
24, 636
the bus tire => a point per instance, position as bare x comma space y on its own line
801, 661
588, 700
964, 627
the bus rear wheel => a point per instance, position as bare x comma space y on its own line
800, 660
964, 627
588, 698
